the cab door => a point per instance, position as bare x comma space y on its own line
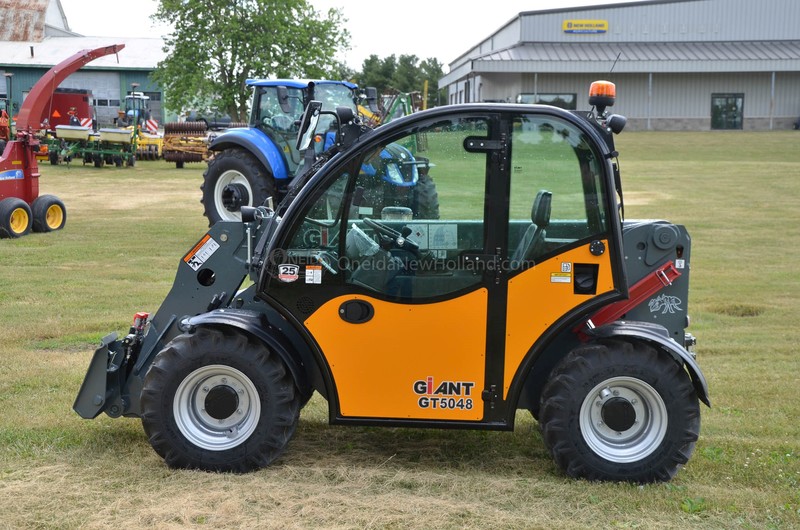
564, 237
404, 330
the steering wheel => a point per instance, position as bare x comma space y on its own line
398, 239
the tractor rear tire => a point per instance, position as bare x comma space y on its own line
234, 178
219, 400
49, 213
15, 218
620, 411
426, 198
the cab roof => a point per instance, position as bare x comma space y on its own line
298, 83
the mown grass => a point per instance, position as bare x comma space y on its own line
59, 293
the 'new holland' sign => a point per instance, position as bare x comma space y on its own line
585, 26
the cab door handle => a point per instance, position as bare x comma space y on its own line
356, 311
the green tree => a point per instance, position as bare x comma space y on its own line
403, 74
217, 44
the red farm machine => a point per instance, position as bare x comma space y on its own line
21, 206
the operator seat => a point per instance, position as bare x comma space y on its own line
532, 243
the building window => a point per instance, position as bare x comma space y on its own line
727, 111
563, 101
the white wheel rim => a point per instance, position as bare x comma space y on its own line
213, 432
227, 178
641, 438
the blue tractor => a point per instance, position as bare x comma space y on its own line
250, 164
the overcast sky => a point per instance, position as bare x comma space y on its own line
443, 29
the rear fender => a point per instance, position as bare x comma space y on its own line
256, 143
256, 324
658, 336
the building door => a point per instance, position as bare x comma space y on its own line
727, 111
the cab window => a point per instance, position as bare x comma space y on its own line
410, 214
556, 195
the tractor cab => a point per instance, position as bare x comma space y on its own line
136, 110
279, 106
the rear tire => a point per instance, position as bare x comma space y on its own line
49, 214
15, 218
219, 401
234, 178
620, 411
426, 198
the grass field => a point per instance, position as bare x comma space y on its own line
739, 195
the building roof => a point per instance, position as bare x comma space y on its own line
656, 36
645, 56
139, 53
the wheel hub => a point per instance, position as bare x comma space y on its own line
221, 402
216, 407
623, 419
618, 414
234, 196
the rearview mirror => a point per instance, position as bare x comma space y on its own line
371, 93
308, 125
283, 99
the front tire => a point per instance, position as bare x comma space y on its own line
15, 218
234, 178
219, 401
620, 411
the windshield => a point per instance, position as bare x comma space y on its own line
334, 95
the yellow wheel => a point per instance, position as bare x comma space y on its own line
49, 214
15, 217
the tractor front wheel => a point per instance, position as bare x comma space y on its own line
234, 178
49, 213
15, 218
219, 401
620, 411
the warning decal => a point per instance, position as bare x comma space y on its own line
201, 252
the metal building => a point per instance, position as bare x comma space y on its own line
677, 64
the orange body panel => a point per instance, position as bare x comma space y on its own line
421, 361
540, 296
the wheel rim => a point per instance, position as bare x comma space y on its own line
230, 178
19, 220
54, 217
216, 407
623, 419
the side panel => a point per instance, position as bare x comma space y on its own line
424, 361
552, 281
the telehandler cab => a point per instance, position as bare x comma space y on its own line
528, 292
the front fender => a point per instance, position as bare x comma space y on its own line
659, 337
256, 324
258, 144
